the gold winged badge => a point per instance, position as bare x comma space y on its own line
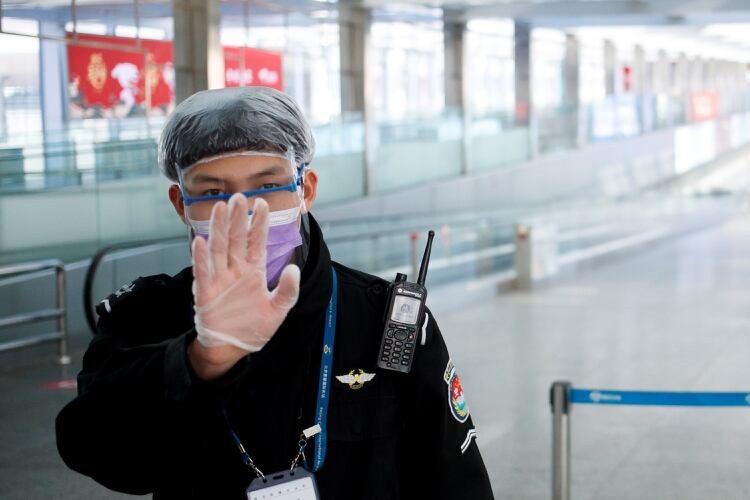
355, 380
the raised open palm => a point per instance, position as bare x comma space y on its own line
233, 305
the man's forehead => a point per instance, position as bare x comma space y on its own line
239, 171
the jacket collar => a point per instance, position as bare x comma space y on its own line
316, 282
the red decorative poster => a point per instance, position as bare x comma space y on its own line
261, 68
106, 82
627, 79
704, 106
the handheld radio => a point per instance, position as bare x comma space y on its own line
404, 318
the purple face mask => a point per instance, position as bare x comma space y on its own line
282, 241
283, 238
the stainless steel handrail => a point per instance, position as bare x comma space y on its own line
619, 237
104, 254
61, 335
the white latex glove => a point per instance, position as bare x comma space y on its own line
233, 305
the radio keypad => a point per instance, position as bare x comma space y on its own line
398, 346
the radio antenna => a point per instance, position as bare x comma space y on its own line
425, 259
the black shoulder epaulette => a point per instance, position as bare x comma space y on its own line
128, 292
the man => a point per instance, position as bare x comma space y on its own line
195, 385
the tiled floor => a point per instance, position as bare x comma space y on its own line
673, 317
30, 467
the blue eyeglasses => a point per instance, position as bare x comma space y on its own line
291, 187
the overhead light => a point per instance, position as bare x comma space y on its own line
321, 14
500, 26
143, 32
20, 26
87, 28
733, 30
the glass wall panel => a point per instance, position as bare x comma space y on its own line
20, 103
592, 72
84, 96
495, 137
416, 139
490, 69
547, 58
308, 43
407, 64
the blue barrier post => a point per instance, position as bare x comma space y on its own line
560, 403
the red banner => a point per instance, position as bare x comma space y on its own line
627, 79
108, 82
105, 78
704, 106
261, 68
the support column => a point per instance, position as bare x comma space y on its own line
198, 54
524, 114
453, 41
639, 81
742, 69
739, 76
695, 75
59, 153
356, 103
3, 115
722, 83
455, 88
353, 28
638, 77
662, 73
649, 75
571, 90
710, 74
681, 74
610, 68
739, 81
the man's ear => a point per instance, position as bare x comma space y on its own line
310, 186
175, 196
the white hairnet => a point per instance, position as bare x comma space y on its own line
213, 122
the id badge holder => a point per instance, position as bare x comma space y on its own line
284, 485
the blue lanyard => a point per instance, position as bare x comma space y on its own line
326, 363
321, 414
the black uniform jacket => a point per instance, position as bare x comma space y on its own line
144, 423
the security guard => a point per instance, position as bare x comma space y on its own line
258, 363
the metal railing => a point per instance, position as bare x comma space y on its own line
493, 248
104, 254
61, 335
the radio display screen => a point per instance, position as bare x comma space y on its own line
405, 310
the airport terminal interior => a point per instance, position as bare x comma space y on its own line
584, 164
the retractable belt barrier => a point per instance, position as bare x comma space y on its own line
658, 398
563, 395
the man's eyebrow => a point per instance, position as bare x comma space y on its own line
269, 171
200, 178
